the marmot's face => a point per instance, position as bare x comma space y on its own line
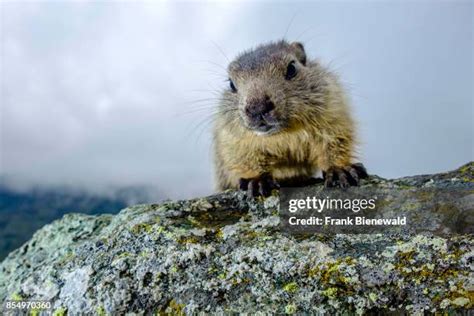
267, 86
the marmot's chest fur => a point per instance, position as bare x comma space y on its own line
282, 118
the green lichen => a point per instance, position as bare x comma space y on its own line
66, 258
174, 269
373, 296
100, 311
16, 297
60, 312
145, 254
124, 255
170, 234
34, 312
173, 309
461, 301
465, 169
290, 309
330, 292
333, 271
291, 287
189, 240
141, 228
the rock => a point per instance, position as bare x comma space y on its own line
226, 253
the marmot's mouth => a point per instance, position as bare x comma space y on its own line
262, 123
264, 128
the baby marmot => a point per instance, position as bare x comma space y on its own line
283, 118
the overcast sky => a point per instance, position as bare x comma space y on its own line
101, 95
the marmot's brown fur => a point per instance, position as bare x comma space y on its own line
282, 119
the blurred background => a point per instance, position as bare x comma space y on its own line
106, 104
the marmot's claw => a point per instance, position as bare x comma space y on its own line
336, 177
243, 184
345, 177
361, 171
262, 185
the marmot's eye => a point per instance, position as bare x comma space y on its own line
232, 86
290, 71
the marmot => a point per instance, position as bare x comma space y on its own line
283, 118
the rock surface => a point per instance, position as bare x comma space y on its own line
226, 253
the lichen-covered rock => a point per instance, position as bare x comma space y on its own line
226, 253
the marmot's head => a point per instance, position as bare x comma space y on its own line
272, 87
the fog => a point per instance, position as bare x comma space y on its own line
112, 94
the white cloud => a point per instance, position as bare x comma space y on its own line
97, 94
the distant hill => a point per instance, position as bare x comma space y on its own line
22, 213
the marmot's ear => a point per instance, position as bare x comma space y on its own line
299, 52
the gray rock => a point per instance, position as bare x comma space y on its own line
226, 253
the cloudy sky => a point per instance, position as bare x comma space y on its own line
113, 94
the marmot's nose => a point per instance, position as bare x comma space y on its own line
256, 108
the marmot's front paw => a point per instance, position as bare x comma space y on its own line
344, 177
262, 185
